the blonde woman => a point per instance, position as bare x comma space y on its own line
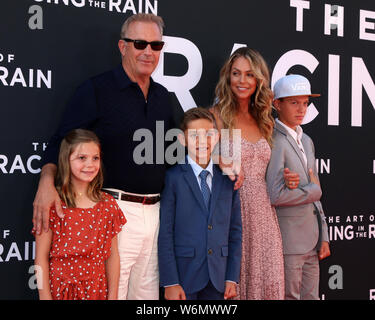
243, 101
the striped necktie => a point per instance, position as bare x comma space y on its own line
205, 188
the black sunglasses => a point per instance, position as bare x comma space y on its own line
142, 44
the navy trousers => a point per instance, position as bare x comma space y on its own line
207, 293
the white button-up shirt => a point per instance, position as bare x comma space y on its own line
297, 136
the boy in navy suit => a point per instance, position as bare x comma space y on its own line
200, 220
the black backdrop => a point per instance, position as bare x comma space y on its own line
48, 47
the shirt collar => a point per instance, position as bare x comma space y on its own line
197, 169
123, 79
296, 135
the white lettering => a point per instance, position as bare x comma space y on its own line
341, 232
150, 8
28, 164
113, 4
4, 75
360, 78
4, 163
18, 78
129, 5
371, 231
323, 166
13, 252
17, 165
334, 21
46, 80
365, 25
300, 6
181, 85
333, 89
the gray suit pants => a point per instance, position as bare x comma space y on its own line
302, 276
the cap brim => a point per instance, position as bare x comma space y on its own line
313, 95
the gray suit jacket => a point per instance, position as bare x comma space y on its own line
299, 211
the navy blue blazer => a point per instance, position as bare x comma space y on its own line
195, 244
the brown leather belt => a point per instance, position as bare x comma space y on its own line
132, 198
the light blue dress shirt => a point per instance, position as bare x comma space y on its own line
197, 169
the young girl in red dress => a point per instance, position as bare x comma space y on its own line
77, 259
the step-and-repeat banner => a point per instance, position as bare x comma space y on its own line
48, 47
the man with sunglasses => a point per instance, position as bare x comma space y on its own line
114, 105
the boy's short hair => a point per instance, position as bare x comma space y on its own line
196, 114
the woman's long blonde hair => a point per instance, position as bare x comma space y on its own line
63, 178
260, 105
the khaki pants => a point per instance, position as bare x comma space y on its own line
137, 245
302, 276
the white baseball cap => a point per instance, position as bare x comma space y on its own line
292, 85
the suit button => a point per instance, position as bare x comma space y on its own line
209, 251
209, 227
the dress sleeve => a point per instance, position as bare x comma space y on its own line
54, 221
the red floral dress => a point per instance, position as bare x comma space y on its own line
80, 245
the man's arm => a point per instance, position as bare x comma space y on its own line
81, 112
45, 198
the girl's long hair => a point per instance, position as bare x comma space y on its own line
260, 105
63, 182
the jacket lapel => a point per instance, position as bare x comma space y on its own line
193, 184
217, 183
293, 144
307, 150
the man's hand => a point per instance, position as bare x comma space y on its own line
291, 179
46, 198
324, 251
174, 293
230, 290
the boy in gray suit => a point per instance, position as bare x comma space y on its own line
299, 211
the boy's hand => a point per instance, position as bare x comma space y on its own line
230, 290
174, 293
324, 251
